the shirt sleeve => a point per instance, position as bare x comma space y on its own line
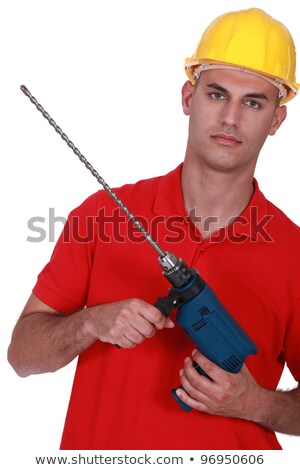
64, 282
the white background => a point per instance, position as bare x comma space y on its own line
110, 73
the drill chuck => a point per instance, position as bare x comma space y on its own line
176, 270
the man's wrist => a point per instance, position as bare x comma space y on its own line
263, 407
86, 332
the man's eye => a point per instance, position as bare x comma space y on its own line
217, 96
253, 104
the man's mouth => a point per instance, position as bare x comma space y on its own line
226, 139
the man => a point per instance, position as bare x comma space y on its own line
100, 292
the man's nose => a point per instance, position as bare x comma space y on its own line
231, 114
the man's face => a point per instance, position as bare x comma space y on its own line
231, 115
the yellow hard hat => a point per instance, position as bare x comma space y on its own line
249, 40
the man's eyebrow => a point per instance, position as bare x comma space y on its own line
218, 87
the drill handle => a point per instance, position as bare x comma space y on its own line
178, 296
183, 405
167, 303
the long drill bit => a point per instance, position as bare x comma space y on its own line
99, 178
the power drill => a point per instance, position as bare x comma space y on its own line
215, 333
200, 314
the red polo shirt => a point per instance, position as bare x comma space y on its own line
121, 398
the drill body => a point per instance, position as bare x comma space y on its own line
212, 329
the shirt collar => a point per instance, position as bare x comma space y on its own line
252, 223
169, 198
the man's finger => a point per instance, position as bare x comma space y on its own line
216, 373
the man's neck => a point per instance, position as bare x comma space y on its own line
213, 199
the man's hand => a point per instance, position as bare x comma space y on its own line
44, 340
238, 396
235, 395
125, 323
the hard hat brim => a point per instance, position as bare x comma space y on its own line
191, 64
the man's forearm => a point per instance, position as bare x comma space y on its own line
280, 411
45, 342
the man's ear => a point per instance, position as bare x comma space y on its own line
187, 93
279, 117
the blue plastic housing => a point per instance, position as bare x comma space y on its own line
214, 332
